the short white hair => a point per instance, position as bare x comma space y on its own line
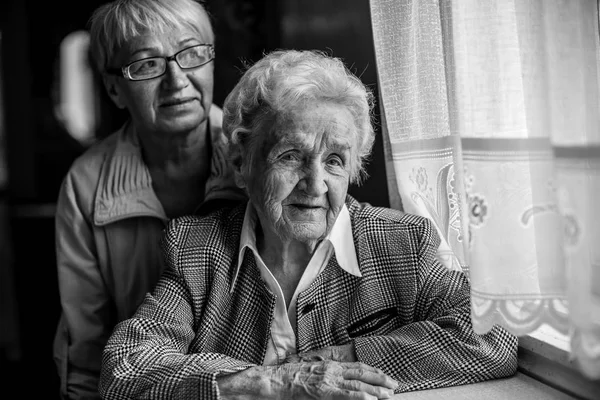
114, 24
285, 80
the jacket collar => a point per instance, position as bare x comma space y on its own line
125, 185
340, 237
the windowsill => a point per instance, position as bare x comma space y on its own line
551, 337
544, 356
518, 387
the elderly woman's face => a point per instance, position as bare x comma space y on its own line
301, 170
177, 101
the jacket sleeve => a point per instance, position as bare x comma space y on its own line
84, 324
147, 355
440, 347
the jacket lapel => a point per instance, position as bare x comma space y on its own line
323, 308
251, 305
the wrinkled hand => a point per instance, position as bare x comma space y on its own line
333, 380
323, 380
344, 353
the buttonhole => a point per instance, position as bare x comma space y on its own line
308, 308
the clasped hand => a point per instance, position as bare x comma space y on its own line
334, 380
331, 373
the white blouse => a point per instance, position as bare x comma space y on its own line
339, 240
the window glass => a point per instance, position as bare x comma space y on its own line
76, 103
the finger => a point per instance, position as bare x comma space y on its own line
317, 355
345, 394
370, 377
309, 358
359, 386
292, 358
358, 364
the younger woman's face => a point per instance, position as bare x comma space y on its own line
176, 102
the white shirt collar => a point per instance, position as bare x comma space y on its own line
340, 237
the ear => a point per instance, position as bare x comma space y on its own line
238, 175
239, 180
113, 90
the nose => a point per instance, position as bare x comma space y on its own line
175, 77
314, 181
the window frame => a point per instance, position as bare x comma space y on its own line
545, 360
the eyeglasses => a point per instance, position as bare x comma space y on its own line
153, 67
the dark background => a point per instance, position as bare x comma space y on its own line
39, 150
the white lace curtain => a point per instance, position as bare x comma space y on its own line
491, 121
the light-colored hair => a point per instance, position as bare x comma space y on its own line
285, 80
113, 24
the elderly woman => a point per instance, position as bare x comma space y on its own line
302, 292
155, 57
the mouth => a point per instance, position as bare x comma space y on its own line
177, 102
307, 206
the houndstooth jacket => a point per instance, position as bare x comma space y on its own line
408, 315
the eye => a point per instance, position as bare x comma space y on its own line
193, 56
290, 156
335, 160
145, 66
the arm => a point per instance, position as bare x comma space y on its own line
308, 380
148, 356
151, 354
85, 321
440, 347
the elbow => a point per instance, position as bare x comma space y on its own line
107, 380
502, 352
113, 383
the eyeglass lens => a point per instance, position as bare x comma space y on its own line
152, 67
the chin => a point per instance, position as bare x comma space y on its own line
306, 233
183, 125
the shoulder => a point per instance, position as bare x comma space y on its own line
368, 215
214, 235
88, 165
81, 181
394, 229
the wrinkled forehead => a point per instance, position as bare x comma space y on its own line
315, 127
173, 38
155, 44
135, 34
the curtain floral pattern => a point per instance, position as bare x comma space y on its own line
491, 120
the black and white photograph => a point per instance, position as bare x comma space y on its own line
300, 199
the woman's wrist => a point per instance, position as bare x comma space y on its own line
253, 383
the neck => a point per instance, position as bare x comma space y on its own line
179, 166
176, 153
288, 257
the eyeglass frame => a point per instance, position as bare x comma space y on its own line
124, 70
